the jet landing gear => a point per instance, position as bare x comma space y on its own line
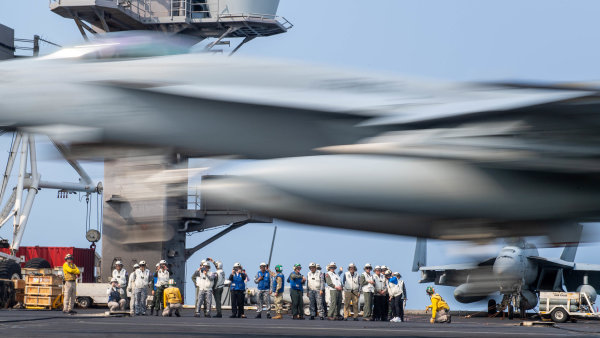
508, 304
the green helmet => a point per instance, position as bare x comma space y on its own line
297, 265
278, 268
430, 290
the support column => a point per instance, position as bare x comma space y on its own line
141, 208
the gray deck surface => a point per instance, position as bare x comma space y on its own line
92, 323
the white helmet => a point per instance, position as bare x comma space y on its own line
351, 265
332, 265
142, 263
202, 262
368, 265
377, 267
263, 264
397, 274
119, 263
237, 265
384, 268
311, 265
219, 265
157, 265
388, 272
206, 264
114, 280
318, 267
136, 265
162, 262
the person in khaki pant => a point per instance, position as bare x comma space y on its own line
70, 274
277, 290
351, 286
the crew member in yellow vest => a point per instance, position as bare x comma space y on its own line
70, 275
440, 311
172, 300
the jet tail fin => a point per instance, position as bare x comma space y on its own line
420, 259
570, 249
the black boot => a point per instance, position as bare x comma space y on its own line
152, 311
177, 313
258, 316
268, 316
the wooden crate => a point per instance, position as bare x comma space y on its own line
19, 284
39, 301
43, 303
34, 290
36, 271
49, 280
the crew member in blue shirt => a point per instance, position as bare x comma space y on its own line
263, 281
238, 290
296, 291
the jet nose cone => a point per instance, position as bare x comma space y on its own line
505, 267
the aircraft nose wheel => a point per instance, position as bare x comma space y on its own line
511, 312
492, 307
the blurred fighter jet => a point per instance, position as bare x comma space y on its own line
336, 148
518, 273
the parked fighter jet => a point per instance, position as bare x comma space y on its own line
518, 273
336, 148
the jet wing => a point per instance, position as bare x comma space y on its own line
551, 262
201, 105
543, 129
455, 274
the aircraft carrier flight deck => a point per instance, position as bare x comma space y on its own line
93, 323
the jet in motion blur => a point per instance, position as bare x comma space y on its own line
517, 272
332, 147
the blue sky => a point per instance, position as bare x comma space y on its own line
549, 40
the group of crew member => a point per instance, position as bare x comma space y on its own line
381, 291
384, 292
135, 287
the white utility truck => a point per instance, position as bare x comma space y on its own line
563, 306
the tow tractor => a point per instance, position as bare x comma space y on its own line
563, 306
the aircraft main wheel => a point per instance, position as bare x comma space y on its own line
523, 312
492, 307
511, 312
10, 270
559, 316
37, 263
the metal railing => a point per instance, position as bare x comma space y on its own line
260, 17
190, 10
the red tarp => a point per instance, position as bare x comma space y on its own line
56, 257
